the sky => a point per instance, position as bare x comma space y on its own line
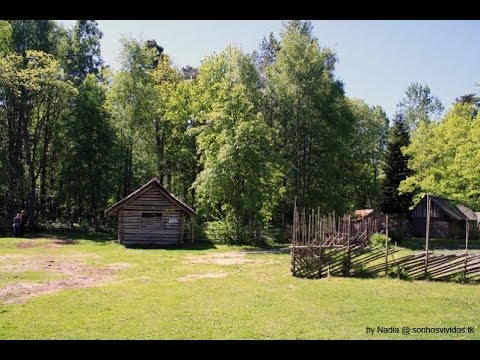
377, 60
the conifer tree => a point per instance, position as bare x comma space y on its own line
396, 169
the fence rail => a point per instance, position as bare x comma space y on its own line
324, 245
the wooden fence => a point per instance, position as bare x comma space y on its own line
444, 267
323, 244
339, 246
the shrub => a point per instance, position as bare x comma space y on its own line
198, 231
399, 272
227, 232
460, 277
395, 236
361, 272
376, 240
345, 265
427, 276
219, 232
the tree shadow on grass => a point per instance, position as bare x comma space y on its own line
202, 245
268, 248
72, 237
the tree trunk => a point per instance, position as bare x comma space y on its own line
169, 175
160, 144
127, 170
43, 172
31, 169
14, 168
32, 200
93, 212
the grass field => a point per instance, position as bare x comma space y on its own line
88, 287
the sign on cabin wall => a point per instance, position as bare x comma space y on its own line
173, 220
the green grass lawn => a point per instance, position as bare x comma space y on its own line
206, 292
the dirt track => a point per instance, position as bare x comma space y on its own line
69, 271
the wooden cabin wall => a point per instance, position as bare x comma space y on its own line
133, 228
421, 211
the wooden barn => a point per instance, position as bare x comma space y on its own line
373, 216
369, 214
150, 216
447, 219
363, 214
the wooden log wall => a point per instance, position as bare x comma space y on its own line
161, 223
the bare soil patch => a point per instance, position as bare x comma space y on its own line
63, 242
285, 250
74, 271
28, 244
227, 258
202, 276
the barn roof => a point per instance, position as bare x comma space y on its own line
112, 210
362, 213
452, 210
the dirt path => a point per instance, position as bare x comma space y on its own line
202, 276
227, 258
72, 268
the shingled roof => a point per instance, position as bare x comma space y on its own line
454, 211
361, 213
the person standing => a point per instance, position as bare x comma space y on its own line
17, 222
24, 217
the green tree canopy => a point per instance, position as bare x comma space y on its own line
239, 181
368, 146
84, 55
419, 104
305, 103
443, 157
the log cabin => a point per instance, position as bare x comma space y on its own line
150, 215
361, 215
447, 219
364, 214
